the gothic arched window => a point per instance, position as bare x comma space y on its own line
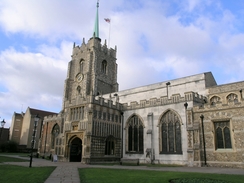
170, 133
135, 135
82, 66
222, 135
110, 145
232, 98
214, 100
55, 132
104, 67
78, 90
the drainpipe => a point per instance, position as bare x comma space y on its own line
150, 119
186, 105
167, 86
45, 141
203, 136
122, 135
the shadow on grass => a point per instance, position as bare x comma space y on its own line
99, 175
15, 174
11, 159
196, 180
134, 164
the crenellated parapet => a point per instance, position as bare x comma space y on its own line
220, 105
94, 43
53, 117
164, 100
111, 103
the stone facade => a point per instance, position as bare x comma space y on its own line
223, 112
91, 125
158, 123
52, 140
16, 127
22, 126
158, 105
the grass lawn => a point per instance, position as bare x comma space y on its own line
20, 154
11, 159
97, 175
16, 154
18, 174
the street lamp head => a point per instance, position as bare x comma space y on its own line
186, 105
36, 119
3, 123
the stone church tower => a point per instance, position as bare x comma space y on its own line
92, 71
88, 128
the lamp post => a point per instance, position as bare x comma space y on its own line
203, 136
45, 141
2, 124
36, 119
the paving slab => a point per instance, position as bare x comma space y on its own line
64, 174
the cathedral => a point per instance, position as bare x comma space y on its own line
189, 121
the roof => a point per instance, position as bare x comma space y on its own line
41, 113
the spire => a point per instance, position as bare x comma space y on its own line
96, 27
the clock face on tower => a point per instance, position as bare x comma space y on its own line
79, 77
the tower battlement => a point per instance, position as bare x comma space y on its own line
111, 103
164, 100
53, 117
94, 43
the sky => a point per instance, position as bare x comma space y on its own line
157, 40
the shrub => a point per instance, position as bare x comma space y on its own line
10, 146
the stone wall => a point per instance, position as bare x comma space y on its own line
230, 111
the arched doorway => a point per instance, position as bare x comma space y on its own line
75, 150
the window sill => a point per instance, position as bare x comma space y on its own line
224, 150
112, 155
134, 152
172, 153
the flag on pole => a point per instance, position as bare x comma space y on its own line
107, 20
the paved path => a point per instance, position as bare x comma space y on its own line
67, 172
64, 174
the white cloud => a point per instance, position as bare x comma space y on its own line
153, 37
191, 4
33, 79
52, 19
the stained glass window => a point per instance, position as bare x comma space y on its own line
222, 135
170, 134
135, 135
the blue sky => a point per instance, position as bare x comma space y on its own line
166, 39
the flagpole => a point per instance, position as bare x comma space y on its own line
108, 20
109, 33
